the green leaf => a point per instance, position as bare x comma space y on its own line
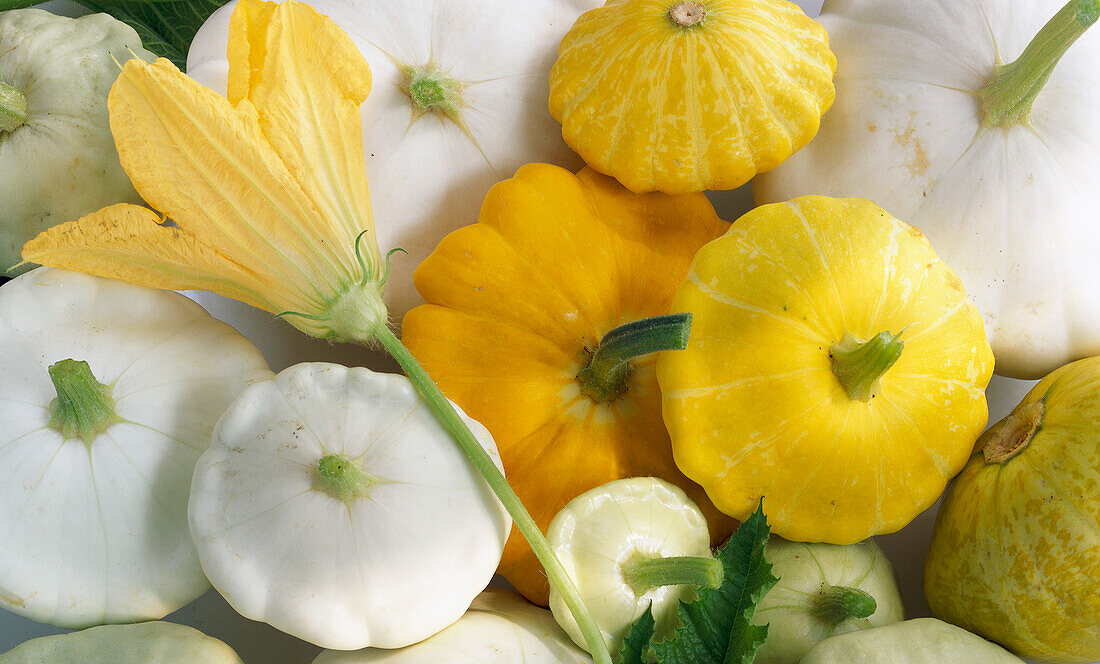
717, 627
636, 644
5, 5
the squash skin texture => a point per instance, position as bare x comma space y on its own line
556, 261
753, 407
1015, 552
667, 108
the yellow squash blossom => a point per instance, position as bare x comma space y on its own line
267, 189
263, 197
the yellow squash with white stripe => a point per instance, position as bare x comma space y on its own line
836, 368
682, 96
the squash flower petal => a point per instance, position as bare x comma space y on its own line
266, 190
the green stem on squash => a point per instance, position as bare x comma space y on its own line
432, 90
859, 365
342, 478
13, 108
481, 460
604, 378
1006, 100
835, 604
83, 408
644, 574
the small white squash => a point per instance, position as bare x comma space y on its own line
500, 628
141, 643
630, 545
1003, 183
824, 590
108, 395
334, 506
459, 102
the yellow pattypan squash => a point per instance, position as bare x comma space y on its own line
836, 368
518, 302
1015, 555
685, 96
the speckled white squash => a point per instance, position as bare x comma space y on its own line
333, 505
430, 166
57, 157
1010, 204
95, 499
141, 643
500, 628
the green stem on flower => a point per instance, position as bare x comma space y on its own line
859, 365
643, 574
13, 108
1006, 100
835, 604
604, 377
83, 408
481, 460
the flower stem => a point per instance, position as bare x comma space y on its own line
481, 460
1006, 100
83, 408
604, 378
836, 604
645, 574
858, 365
13, 108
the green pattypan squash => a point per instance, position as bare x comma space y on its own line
919, 641
57, 156
141, 643
109, 393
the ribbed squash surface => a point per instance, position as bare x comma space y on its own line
753, 405
556, 261
681, 109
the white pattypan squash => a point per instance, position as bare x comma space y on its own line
140, 643
1007, 191
823, 590
57, 157
500, 628
108, 395
334, 506
630, 545
459, 102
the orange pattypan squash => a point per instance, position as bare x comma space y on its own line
517, 306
